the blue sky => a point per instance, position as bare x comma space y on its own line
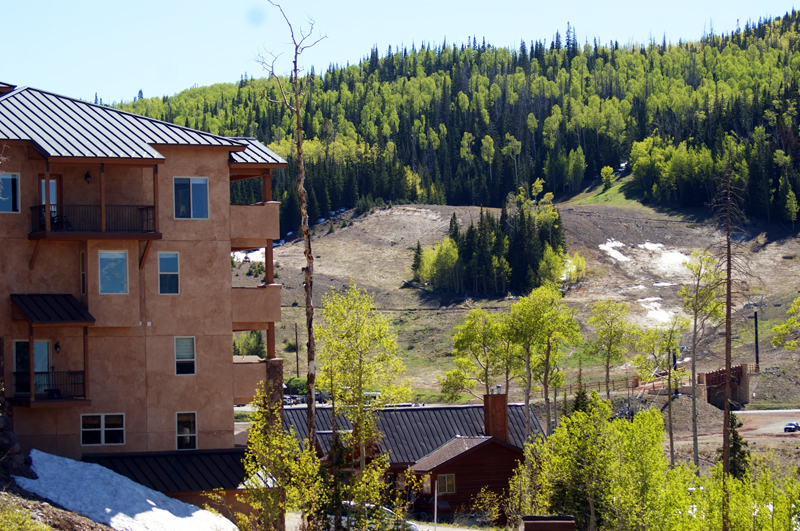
82, 47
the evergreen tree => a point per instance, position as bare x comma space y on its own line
415, 266
581, 400
739, 452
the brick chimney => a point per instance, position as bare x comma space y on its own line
495, 416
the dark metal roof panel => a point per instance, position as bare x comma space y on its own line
66, 127
448, 451
256, 153
412, 433
185, 471
46, 308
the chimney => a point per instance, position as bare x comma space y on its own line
495, 416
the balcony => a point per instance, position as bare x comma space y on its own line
71, 222
253, 225
50, 388
255, 308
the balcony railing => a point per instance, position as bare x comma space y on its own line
50, 385
87, 218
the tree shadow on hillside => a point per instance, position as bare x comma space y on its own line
428, 297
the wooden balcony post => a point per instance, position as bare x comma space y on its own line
86, 362
46, 199
269, 273
102, 198
266, 187
155, 196
271, 341
31, 356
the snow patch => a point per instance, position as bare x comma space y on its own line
108, 498
651, 246
610, 249
655, 312
254, 256
649, 299
663, 284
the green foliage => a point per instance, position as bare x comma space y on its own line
613, 333
739, 452
581, 400
280, 475
785, 333
256, 269
432, 111
296, 386
250, 344
485, 352
607, 174
416, 265
14, 518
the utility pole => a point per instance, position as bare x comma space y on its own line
756, 301
297, 350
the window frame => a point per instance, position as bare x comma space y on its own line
451, 478
178, 435
191, 202
100, 272
177, 274
18, 179
194, 355
103, 429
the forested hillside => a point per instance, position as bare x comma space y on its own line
468, 124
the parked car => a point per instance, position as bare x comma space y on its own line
378, 518
791, 427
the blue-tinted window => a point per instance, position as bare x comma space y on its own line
9, 192
168, 274
191, 197
113, 272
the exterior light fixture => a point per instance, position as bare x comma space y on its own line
57, 347
88, 177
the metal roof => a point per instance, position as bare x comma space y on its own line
410, 433
65, 127
51, 309
256, 153
178, 471
6, 87
453, 448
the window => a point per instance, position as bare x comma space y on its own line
191, 197
184, 355
187, 430
113, 271
447, 483
168, 274
9, 192
83, 273
104, 429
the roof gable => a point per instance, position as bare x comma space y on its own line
62, 127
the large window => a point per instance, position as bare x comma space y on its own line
106, 429
168, 275
9, 192
184, 355
447, 483
187, 430
191, 197
113, 271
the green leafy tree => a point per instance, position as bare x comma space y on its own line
786, 332
512, 149
607, 174
487, 153
581, 400
739, 451
551, 266
703, 301
613, 334
359, 355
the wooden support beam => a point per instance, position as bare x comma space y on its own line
35, 254
86, 362
271, 341
102, 198
155, 195
145, 253
266, 186
47, 197
31, 373
269, 265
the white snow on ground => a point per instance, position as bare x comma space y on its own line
663, 284
654, 310
651, 246
108, 498
649, 299
254, 256
610, 249
672, 262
